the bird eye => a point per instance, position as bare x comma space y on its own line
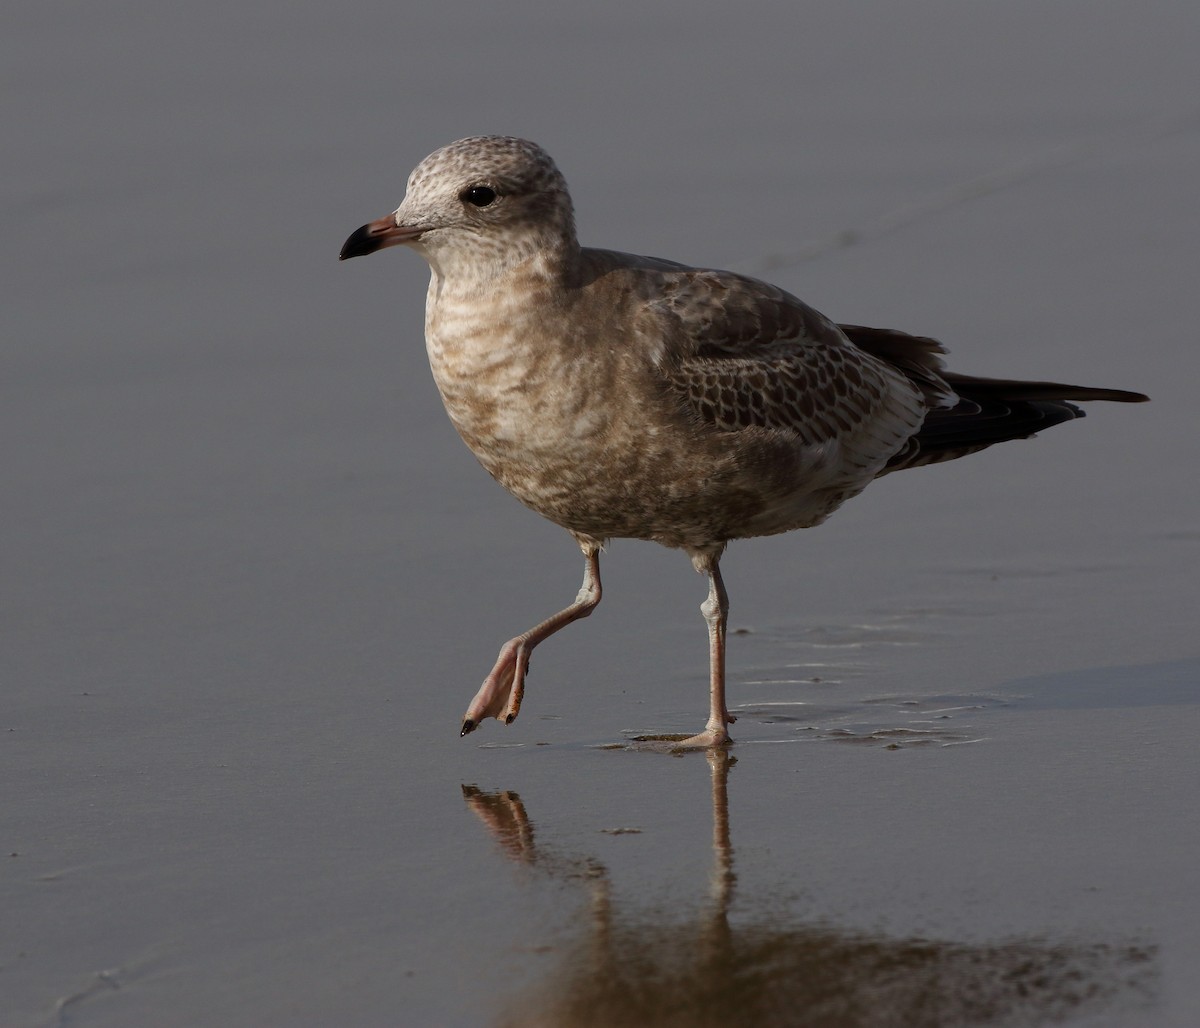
480, 196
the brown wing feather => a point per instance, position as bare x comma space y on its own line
728, 315
756, 356
817, 393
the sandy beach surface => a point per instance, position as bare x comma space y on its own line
251, 577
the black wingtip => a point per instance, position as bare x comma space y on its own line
467, 728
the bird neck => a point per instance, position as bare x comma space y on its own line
480, 266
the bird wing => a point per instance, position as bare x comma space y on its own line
753, 355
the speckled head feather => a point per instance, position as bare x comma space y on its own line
489, 201
505, 163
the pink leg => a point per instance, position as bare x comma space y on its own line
716, 612
501, 693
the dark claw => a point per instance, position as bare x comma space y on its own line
467, 728
510, 719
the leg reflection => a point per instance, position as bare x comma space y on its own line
628, 963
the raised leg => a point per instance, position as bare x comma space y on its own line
716, 613
501, 693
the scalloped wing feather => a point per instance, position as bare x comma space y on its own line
754, 356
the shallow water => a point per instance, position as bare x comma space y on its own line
251, 577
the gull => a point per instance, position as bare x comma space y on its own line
632, 397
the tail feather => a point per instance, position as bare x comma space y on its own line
1012, 389
988, 411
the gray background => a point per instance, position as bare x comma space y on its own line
251, 578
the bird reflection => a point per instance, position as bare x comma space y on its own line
624, 969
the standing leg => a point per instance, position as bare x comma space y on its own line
502, 690
716, 613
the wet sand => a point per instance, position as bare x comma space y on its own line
252, 578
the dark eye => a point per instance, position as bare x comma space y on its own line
480, 196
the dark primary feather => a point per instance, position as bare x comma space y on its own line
989, 410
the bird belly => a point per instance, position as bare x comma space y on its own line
659, 478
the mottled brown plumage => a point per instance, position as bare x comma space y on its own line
632, 397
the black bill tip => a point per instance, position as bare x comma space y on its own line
362, 241
375, 235
467, 728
